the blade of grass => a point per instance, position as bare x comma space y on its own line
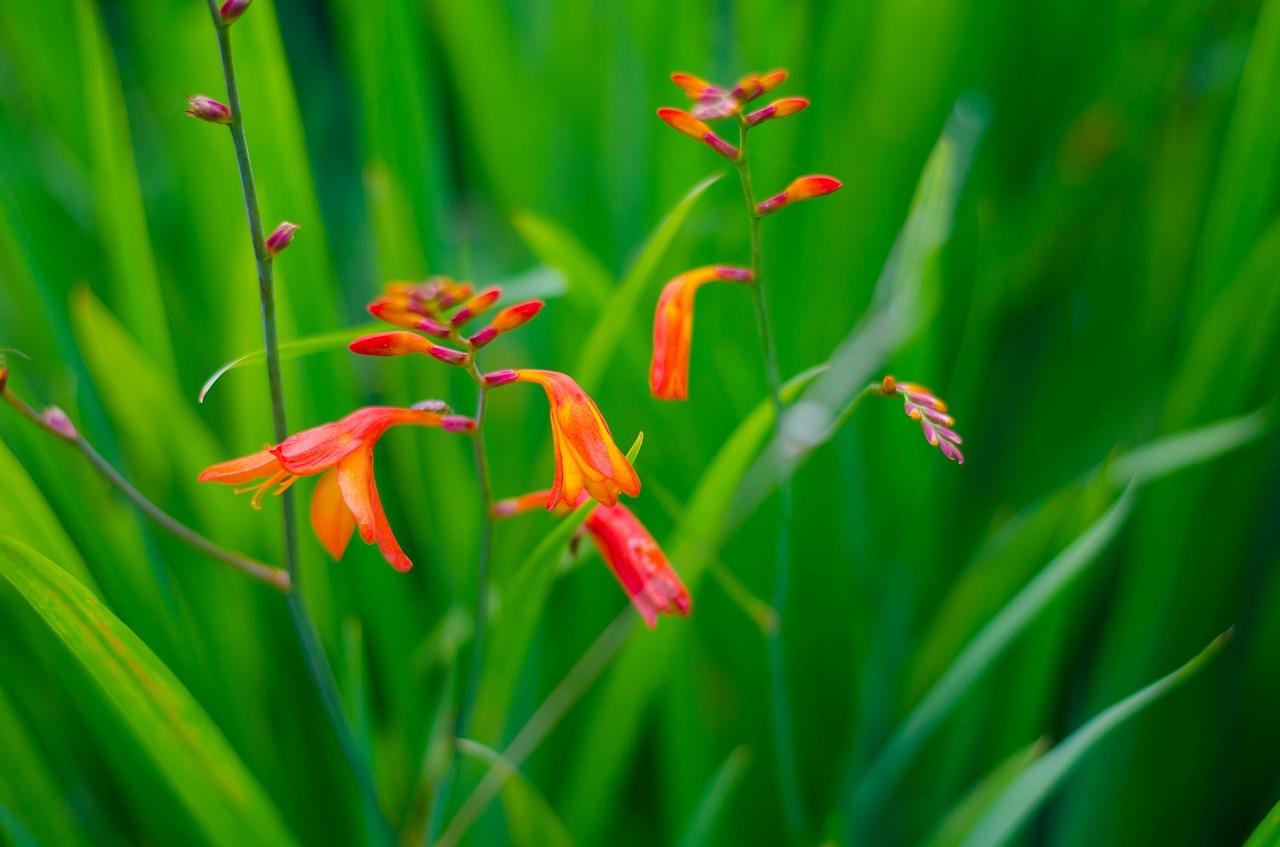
590, 283
975, 804
1021, 799
1268, 832
530, 819
711, 806
163, 720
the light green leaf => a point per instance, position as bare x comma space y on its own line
1021, 799
712, 805
531, 821
1268, 832
335, 340
982, 796
161, 718
590, 283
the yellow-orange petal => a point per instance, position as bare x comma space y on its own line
638, 563
256, 466
685, 123
694, 87
807, 187
319, 448
673, 328
330, 518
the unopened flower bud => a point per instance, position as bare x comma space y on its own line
476, 306
232, 10
483, 337
57, 420
393, 311
208, 109
696, 88
687, 124
517, 316
280, 238
772, 80
433, 327
785, 107
447, 355
804, 188
390, 344
729, 273
500, 378
438, 406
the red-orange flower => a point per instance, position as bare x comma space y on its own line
586, 457
804, 188
629, 550
673, 328
638, 563
346, 497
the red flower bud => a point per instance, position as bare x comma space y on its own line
208, 109
483, 337
778, 109
280, 238
476, 306
516, 316
447, 355
232, 9
390, 344
687, 124
804, 188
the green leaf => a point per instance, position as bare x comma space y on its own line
1020, 800
530, 819
335, 340
867, 793
701, 826
1268, 832
611, 328
590, 283
982, 796
1172, 453
161, 718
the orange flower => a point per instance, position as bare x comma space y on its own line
638, 563
804, 188
346, 497
586, 457
629, 550
673, 328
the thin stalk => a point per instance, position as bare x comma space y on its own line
264, 573
783, 732
466, 705
304, 626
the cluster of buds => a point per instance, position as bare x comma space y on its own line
440, 309
712, 103
921, 405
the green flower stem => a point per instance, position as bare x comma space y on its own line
783, 732
475, 668
308, 638
273, 577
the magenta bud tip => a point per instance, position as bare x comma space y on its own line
729, 273
483, 337
232, 10
500, 378
457, 423
58, 421
280, 238
448, 355
209, 110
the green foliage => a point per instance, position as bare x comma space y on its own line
1084, 270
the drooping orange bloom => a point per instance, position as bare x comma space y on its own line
346, 497
630, 551
586, 457
638, 563
673, 328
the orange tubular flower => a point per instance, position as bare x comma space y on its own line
638, 563
586, 457
629, 550
673, 329
346, 497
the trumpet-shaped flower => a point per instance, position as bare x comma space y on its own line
630, 551
638, 563
673, 328
346, 497
586, 457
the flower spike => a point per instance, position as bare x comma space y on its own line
685, 123
673, 328
921, 405
586, 457
804, 188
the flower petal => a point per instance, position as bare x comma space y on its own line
355, 478
330, 518
245, 469
638, 563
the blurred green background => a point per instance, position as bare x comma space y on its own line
1110, 283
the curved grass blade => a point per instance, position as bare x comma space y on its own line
866, 794
1021, 799
531, 820
291, 350
712, 805
590, 283
611, 328
162, 719
975, 803
1268, 832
